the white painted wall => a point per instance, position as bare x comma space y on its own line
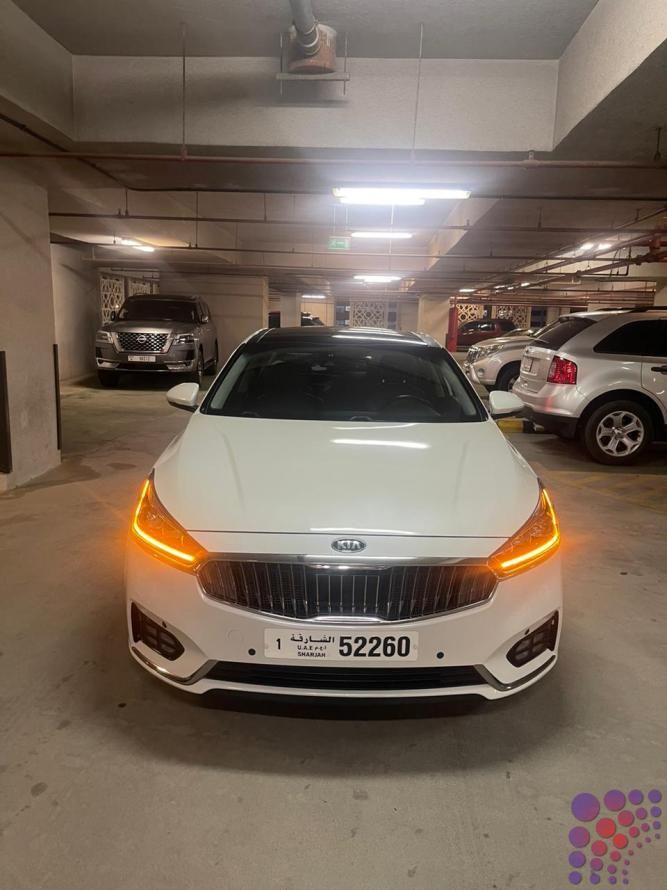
408, 316
474, 105
35, 70
76, 304
239, 304
613, 41
27, 331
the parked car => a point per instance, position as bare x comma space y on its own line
381, 577
307, 320
600, 377
472, 332
165, 333
495, 363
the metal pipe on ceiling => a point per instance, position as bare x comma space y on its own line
241, 220
305, 23
268, 160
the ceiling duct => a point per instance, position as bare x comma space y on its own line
312, 46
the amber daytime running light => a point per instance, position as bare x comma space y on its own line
159, 533
534, 542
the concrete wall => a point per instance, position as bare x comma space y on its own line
465, 104
433, 318
408, 316
27, 331
35, 70
239, 304
613, 41
76, 305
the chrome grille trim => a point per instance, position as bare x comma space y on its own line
130, 341
308, 591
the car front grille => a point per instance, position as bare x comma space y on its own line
295, 590
332, 678
138, 342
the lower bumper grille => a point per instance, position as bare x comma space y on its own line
157, 638
295, 590
345, 678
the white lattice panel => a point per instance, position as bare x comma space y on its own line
520, 315
139, 286
469, 312
112, 294
366, 314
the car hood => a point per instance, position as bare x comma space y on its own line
182, 326
286, 476
506, 341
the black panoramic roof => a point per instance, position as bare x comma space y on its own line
319, 335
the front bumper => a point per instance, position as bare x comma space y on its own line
223, 646
178, 360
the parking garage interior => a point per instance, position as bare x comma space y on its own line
155, 148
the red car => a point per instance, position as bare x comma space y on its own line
482, 329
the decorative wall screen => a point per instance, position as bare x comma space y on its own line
112, 294
469, 312
366, 314
141, 286
520, 315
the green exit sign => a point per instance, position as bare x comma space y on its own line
336, 242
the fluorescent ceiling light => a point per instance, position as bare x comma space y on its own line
587, 246
128, 242
605, 245
525, 284
144, 248
467, 290
397, 196
390, 236
377, 279
313, 296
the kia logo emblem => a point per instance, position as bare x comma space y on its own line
348, 545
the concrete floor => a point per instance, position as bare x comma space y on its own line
110, 781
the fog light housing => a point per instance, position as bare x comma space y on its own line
156, 637
533, 644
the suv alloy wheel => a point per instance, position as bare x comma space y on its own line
618, 432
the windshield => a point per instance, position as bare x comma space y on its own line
352, 383
151, 309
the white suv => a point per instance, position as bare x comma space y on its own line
496, 363
600, 377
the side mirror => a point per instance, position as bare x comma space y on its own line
504, 404
114, 315
184, 396
205, 319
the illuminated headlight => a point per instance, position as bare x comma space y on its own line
103, 337
535, 541
184, 338
160, 534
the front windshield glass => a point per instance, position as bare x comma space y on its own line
352, 382
158, 310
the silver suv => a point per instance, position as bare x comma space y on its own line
166, 333
600, 377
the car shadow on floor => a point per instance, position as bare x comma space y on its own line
317, 738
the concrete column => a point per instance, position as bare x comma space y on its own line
290, 311
76, 301
433, 318
27, 330
661, 293
239, 304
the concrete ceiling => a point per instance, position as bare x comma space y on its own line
457, 29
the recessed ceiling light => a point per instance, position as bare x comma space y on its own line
389, 236
414, 197
377, 279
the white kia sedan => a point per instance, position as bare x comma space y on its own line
342, 517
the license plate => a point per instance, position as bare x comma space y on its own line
527, 364
334, 646
141, 358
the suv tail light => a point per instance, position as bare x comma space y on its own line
562, 370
